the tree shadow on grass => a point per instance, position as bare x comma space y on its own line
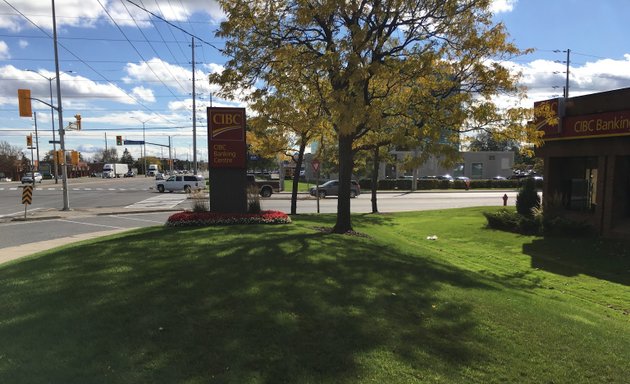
224, 305
601, 258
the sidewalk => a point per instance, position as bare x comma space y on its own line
16, 252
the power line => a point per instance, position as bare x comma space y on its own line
82, 61
177, 27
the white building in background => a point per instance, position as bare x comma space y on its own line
475, 165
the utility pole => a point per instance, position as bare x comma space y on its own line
566, 92
64, 170
194, 110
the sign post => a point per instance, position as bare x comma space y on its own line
27, 196
315, 165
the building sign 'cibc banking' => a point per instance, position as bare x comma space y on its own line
226, 138
585, 126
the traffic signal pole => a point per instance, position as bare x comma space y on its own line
64, 169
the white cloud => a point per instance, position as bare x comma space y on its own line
144, 94
546, 79
4, 51
90, 13
23, 43
499, 6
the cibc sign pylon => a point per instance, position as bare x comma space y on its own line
227, 152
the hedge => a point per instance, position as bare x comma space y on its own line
428, 184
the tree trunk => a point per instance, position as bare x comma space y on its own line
376, 161
346, 160
296, 176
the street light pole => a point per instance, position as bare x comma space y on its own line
144, 143
52, 121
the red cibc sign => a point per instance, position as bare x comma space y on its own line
226, 137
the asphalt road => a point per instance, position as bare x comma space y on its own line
126, 197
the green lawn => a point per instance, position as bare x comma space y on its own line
290, 304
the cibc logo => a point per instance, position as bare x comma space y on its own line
227, 124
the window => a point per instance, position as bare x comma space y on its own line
477, 170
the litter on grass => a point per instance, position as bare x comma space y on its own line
432, 237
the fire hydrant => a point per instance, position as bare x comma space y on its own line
505, 199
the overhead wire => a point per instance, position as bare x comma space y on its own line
153, 48
136, 49
82, 61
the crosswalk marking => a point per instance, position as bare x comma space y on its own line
77, 189
160, 201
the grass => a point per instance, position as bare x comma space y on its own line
302, 185
288, 303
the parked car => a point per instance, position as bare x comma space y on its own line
331, 188
159, 176
130, 173
445, 177
499, 178
29, 176
186, 183
462, 178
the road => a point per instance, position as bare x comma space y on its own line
134, 195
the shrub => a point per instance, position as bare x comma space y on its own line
561, 226
527, 198
253, 199
511, 221
200, 202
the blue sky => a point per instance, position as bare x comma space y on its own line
124, 67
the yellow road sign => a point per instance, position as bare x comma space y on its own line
27, 194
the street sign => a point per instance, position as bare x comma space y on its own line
315, 165
27, 194
54, 142
133, 142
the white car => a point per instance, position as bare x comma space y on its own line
32, 177
186, 183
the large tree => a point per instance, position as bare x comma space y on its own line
375, 58
9, 156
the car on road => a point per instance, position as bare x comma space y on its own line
186, 183
331, 188
159, 176
31, 177
130, 174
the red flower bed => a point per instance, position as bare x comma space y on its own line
189, 218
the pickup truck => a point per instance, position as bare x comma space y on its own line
265, 187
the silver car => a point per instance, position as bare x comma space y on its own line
32, 177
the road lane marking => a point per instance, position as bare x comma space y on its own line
92, 224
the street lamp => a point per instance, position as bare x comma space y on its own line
52, 120
144, 143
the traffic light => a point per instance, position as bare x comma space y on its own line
60, 157
29, 140
24, 102
78, 117
75, 157
119, 140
